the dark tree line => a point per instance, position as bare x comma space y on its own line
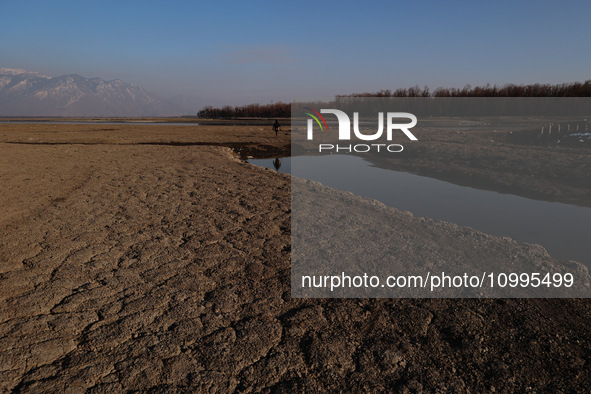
276, 110
283, 110
573, 89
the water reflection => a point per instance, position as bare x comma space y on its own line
277, 164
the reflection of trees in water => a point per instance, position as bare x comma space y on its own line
277, 164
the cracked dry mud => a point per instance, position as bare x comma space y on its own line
166, 268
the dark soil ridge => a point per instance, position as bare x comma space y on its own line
244, 151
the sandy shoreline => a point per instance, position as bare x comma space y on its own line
151, 258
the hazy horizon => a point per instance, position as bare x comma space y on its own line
238, 53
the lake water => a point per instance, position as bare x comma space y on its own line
563, 229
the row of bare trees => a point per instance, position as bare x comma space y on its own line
282, 110
573, 89
276, 110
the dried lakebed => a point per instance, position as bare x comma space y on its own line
165, 268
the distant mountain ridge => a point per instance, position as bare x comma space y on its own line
24, 93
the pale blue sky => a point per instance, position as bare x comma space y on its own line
238, 52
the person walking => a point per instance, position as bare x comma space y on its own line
276, 127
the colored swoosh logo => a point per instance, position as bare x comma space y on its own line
316, 118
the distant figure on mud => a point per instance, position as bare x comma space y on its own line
276, 127
277, 164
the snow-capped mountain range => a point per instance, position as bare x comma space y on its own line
24, 93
